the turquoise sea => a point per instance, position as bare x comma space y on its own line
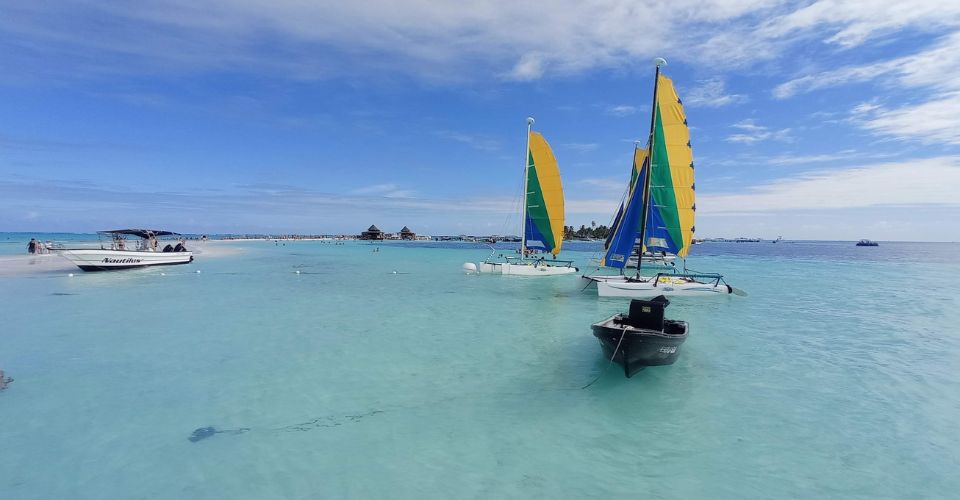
392, 374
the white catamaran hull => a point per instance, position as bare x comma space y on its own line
526, 269
107, 260
649, 288
591, 281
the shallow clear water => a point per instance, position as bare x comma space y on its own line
836, 377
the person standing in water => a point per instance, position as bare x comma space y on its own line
32, 246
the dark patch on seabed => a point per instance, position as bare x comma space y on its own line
205, 432
61, 294
319, 422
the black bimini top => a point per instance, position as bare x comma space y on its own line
141, 233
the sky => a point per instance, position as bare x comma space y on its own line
812, 120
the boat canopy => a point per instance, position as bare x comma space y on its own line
141, 233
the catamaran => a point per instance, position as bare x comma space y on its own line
657, 214
541, 221
119, 254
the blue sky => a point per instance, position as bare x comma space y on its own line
814, 120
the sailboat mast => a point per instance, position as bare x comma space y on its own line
526, 180
645, 198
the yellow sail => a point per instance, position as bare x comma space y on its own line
544, 198
670, 223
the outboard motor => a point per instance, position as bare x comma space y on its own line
648, 314
180, 248
167, 249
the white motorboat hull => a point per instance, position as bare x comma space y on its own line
665, 286
96, 259
526, 269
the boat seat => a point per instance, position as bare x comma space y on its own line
648, 314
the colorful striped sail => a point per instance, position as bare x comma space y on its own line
544, 200
670, 222
626, 225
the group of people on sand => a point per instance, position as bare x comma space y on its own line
37, 247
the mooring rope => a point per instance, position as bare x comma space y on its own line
622, 335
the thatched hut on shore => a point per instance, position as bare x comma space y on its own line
373, 233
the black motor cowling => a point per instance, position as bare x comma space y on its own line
648, 314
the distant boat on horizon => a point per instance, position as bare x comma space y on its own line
867, 243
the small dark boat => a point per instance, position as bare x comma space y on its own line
867, 243
642, 338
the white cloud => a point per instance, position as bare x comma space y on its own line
529, 67
930, 181
433, 40
580, 147
613, 186
852, 23
595, 207
935, 120
622, 110
840, 156
383, 190
479, 142
937, 66
843, 24
752, 133
931, 122
712, 94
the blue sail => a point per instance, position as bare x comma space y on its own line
657, 235
624, 238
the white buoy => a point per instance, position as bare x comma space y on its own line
469, 267
163, 274
394, 272
297, 271
198, 271
70, 275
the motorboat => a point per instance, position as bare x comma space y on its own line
867, 243
152, 247
643, 337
